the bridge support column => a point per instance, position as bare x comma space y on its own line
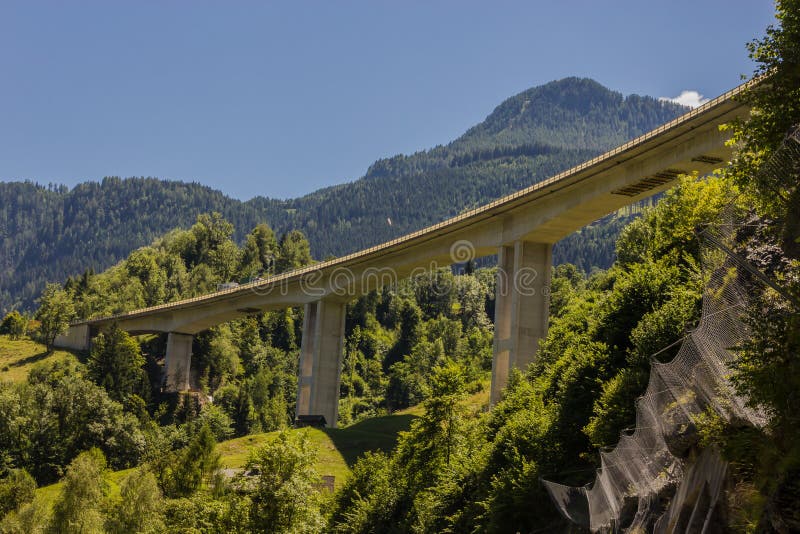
321, 360
522, 307
178, 361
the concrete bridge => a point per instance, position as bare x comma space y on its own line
520, 228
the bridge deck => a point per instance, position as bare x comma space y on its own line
600, 169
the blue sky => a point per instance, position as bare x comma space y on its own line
281, 98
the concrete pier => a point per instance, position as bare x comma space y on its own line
321, 360
522, 307
178, 362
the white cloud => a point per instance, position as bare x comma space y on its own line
687, 98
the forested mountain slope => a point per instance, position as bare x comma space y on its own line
48, 233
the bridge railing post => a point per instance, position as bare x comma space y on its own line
321, 360
522, 307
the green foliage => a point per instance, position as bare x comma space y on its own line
238, 405
521, 451
49, 420
218, 356
142, 266
16, 488
637, 291
208, 234
30, 518
665, 326
615, 409
138, 508
408, 383
251, 379
55, 312
116, 364
668, 230
14, 325
433, 435
692, 205
295, 252
203, 513
410, 490
259, 253
195, 465
410, 329
213, 417
79, 507
283, 498
367, 500
433, 292
471, 300
280, 327
182, 264
768, 371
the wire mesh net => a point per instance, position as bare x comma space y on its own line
648, 468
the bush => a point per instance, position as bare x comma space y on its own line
284, 498
14, 325
16, 489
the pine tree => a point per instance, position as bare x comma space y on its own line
117, 364
295, 252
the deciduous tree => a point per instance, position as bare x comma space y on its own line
15, 325
55, 312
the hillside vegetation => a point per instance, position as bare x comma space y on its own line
419, 354
427, 341
17, 358
336, 450
49, 233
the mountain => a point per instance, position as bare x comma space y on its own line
49, 233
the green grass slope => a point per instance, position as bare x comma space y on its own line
17, 357
337, 449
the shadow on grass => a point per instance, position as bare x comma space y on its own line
375, 434
31, 359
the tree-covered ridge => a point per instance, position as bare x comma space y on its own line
572, 112
49, 233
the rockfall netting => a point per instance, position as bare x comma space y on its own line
655, 480
650, 481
